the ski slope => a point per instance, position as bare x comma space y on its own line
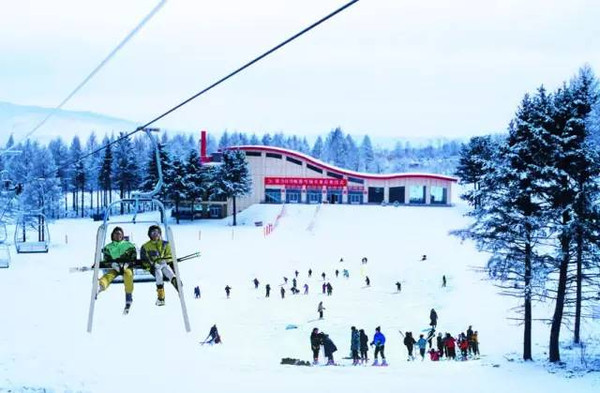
44, 345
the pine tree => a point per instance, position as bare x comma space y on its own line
177, 190
233, 179
105, 173
78, 177
60, 156
125, 170
317, 150
366, 161
475, 161
193, 179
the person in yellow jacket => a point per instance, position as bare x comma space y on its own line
156, 254
119, 252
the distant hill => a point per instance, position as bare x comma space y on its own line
19, 120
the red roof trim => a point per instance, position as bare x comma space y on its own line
359, 175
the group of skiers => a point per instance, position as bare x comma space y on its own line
446, 345
359, 346
155, 256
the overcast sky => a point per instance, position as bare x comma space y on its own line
384, 67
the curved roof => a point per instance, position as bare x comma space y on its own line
329, 167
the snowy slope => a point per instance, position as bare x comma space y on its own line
44, 345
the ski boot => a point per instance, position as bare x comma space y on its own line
375, 363
384, 363
160, 302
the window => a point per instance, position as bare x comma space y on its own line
355, 180
417, 194
253, 154
297, 162
314, 168
336, 175
274, 155
439, 195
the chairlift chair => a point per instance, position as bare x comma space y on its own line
32, 234
137, 201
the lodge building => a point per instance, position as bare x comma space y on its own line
286, 176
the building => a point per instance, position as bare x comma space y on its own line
286, 176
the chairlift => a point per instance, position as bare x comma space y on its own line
138, 201
4, 250
32, 234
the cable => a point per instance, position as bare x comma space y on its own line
98, 67
256, 59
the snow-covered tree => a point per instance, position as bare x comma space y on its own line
233, 179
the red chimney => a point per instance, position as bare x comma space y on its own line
203, 157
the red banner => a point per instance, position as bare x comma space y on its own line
305, 181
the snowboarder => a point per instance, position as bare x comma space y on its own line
227, 291
379, 342
156, 255
315, 344
197, 292
213, 336
320, 309
267, 290
433, 318
368, 281
354, 344
256, 282
364, 346
398, 286
119, 251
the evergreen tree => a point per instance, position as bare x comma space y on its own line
60, 157
317, 150
254, 140
352, 154
233, 179
366, 158
78, 177
475, 161
105, 173
193, 179
150, 178
224, 141
177, 190
125, 170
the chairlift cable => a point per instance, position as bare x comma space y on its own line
250, 63
98, 67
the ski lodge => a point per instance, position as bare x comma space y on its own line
286, 176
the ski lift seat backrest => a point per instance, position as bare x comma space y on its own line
4, 256
3, 233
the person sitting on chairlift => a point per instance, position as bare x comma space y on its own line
156, 255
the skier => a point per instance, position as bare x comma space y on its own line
433, 318
315, 344
306, 289
337, 273
440, 344
323, 275
256, 282
422, 344
469, 337
475, 344
267, 290
309, 273
354, 344
379, 342
227, 291
156, 254
282, 291
329, 289
364, 346
424, 257
119, 251
368, 281
444, 281
296, 273
329, 348
320, 309
197, 292
346, 273
409, 342
294, 282
324, 287
450, 345
213, 336
398, 286
364, 260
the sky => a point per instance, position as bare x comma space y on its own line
46, 348
389, 68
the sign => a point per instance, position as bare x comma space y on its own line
305, 181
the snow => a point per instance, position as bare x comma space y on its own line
44, 345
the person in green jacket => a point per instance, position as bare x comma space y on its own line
156, 254
119, 252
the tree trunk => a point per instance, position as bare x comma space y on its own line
82, 201
554, 349
234, 212
579, 283
527, 305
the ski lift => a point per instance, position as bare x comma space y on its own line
4, 250
137, 202
31, 233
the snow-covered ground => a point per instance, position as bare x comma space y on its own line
44, 345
